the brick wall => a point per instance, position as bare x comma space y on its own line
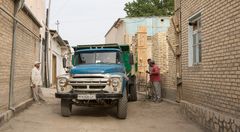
26, 46
5, 50
171, 76
160, 54
213, 84
159, 51
164, 58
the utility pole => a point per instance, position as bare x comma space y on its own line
46, 73
57, 23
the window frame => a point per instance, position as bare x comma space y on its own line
195, 40
77, 57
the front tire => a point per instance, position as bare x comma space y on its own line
122, 106
66, 107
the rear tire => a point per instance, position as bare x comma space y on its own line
66, 107
133, 93
122, 106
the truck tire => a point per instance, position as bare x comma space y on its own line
66, 107
122, 106
133, 92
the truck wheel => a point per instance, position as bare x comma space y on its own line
66, 107
133, 93
122, 106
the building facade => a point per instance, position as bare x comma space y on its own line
38, 9
210, 62
124, 29
141, 33
19, 48
58, 49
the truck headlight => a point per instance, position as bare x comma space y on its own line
62, 82
62, 86
115, 82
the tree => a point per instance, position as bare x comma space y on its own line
143, 8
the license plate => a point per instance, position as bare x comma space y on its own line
87, 97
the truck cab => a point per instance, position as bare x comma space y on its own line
101, 75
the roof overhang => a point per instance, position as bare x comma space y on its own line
58, 38
30, 14
115, 25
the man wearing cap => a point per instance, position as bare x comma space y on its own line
36, 82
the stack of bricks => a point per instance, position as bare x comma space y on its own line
160, 53
27, 46
213, 85
141, 52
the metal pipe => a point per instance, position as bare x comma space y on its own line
47, 46
46, 77
13, 55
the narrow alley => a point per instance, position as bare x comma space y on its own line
143, 116
119, 66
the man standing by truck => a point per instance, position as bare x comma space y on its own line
36, 82
149, 83
155, 80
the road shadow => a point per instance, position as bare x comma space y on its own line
84, 111
94, 111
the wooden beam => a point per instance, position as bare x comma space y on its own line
171, 47
175, 28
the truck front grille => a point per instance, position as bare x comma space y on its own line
79, 87
90, 87
97, 87
85, 84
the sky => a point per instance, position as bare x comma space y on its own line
85, 21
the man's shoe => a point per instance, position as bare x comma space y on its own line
154, 99
159, 100
44, 102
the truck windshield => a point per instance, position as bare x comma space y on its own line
97, 58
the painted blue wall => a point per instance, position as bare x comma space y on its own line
154, 24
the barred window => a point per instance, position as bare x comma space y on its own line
195, 39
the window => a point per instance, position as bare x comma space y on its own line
97, 58
195, 39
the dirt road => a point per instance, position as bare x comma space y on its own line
143, 116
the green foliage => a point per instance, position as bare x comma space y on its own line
144, 8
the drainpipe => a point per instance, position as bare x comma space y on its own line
13, 55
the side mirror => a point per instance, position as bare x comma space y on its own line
64, 62
131, 59
67, 70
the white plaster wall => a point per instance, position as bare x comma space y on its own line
55, 49
111, 36
116, 35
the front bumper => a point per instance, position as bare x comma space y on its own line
98, 96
